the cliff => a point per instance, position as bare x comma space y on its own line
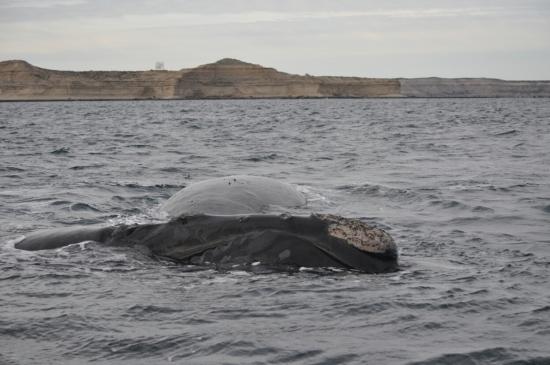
469, 87
230, 78
20, 80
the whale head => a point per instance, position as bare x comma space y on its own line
358, 245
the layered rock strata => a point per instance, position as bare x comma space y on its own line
435, 87
229, 78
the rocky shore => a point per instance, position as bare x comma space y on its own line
230, 78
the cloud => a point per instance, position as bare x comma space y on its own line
7, 4
352, 37
16, 10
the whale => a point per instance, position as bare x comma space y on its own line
241, 221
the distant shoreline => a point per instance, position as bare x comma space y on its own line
233, 79
278, 98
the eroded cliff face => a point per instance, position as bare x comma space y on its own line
358, 87
230, 78
21, 81
472, 87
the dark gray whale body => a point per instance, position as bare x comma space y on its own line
226, 222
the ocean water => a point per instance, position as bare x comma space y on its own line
463, 185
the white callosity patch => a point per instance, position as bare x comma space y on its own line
359, 234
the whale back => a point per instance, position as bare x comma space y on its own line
233, 195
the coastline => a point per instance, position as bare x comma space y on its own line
233, 79
275, 98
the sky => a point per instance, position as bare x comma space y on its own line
508, 39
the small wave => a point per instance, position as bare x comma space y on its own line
79, 207
123, 135
4, 358
146, 309
449, 204
381, 191
485, 219
107, 348
9, 247
60, 151
72, 221
44, 295
507, 133
170, 169
472, 186
151, 187
60, 202
313, 195
506, 189
271, 156
85, 167
546, 308
10, 169
141, 146
495, 355
454, 204
480, 209
366, 189
152, 216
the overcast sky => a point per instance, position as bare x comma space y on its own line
507, 39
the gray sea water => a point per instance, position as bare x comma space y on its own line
463, 185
